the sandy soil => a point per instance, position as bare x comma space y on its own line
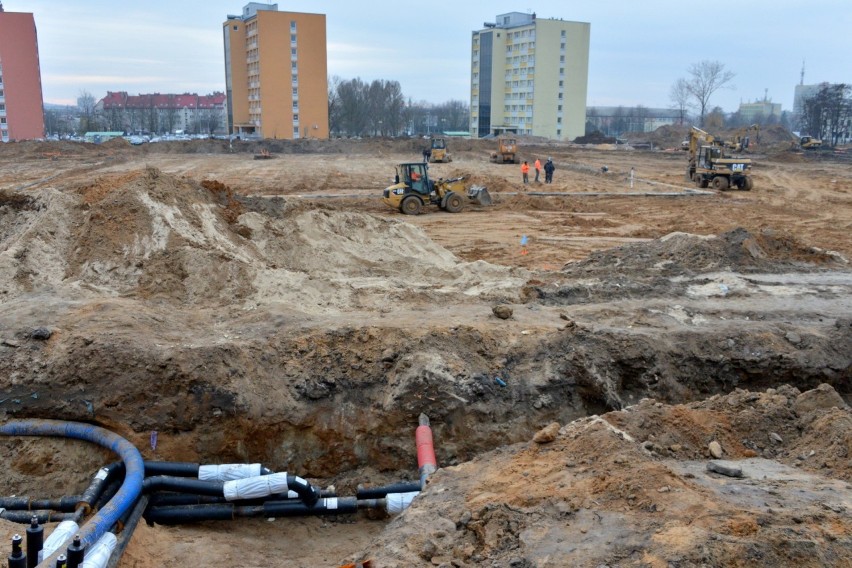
277, 311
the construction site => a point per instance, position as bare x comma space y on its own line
619, 368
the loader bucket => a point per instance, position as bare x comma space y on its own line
479, 195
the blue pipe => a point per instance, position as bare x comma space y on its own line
130, 490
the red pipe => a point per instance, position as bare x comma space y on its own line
426, 461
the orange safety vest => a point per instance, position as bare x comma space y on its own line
525, 168
538, 165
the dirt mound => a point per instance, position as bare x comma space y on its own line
144, 235
632, 487
594, 138
737, 250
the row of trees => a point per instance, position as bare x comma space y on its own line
828, 114
379, 108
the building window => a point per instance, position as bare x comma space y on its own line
296, 118
563, 33
561, 59
292, 26
292, 38
236, 28
561, 83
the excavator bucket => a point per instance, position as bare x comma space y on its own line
479, 195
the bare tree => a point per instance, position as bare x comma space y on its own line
334, 104
86, 104
705, 78
679, 96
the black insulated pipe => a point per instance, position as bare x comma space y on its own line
309, 494
183, 485
129, 523
380, 492
17, 559
25, 517
173, 499
167, 515
35, 542
61, 561
94, 490
175, 469
65, 504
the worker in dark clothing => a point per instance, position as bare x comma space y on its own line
548, 170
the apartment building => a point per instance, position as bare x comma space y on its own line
160, 113
529, 75
21, 108
276, 73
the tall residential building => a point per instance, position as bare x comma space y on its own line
530, 76
276, 73
21, 108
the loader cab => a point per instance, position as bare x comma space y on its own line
414, 176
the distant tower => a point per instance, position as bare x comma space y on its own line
802, 76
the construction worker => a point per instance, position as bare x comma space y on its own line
548, 170
525, 170
537, 169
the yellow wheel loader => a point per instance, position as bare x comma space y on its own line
412, 189
506, 153
439, 152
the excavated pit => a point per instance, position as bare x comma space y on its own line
310, 338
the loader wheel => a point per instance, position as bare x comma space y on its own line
748, 183
699, 181
455, 203
411, 206
720, 183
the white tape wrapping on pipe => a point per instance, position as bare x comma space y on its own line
228, 471
399, 502
255, 487
62, 532
98, 555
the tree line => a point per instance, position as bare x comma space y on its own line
828, 114
379, 108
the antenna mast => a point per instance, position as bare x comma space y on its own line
802, 77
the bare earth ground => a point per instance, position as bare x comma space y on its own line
277, 311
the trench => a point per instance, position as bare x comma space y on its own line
332, 403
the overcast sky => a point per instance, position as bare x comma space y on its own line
638, 47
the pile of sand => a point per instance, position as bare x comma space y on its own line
148, 235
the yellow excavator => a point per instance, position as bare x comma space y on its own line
741, 142
709, 164
412, 189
